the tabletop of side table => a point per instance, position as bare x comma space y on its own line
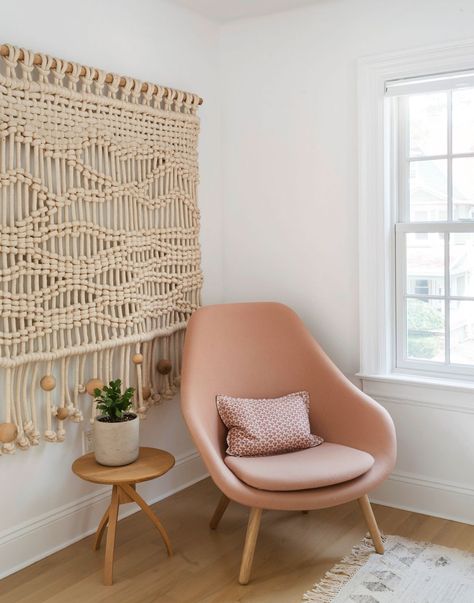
151, 463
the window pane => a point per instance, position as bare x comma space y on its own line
425, 329
463, 188
463, 120
425, 263
428, 124
461, 263
462, 332
428, 191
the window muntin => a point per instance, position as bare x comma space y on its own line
434, 144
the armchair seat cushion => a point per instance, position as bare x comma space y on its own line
325, 465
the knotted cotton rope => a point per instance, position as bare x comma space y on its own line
99, 225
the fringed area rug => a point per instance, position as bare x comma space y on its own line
408, 572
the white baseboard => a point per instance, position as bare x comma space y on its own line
41, 536
431, 497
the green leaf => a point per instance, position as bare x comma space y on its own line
112, 402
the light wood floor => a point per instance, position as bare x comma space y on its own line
293, 551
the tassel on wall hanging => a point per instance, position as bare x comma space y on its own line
99, 225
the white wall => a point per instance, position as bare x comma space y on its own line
290, 190
42, 504
290, 150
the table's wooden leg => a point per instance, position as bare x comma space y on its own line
100, 530
110, 544
124, 498
146, 509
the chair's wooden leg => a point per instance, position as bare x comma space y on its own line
219, 512
371, 523
110, 544
249, 546
100, 530
149, 513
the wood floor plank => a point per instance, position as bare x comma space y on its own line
293, 551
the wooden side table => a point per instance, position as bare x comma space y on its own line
150, 464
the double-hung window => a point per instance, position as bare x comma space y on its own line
432, 183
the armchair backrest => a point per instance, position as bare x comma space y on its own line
252, 350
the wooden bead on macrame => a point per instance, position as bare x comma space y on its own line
62, 413
137, 358
146, 392
8, 432
164, 366
92, 385
48, 383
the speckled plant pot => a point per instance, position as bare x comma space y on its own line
116, 444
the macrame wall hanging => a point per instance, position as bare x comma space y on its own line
99, 258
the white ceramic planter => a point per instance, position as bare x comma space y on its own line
116, 444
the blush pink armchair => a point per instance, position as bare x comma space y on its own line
263, 350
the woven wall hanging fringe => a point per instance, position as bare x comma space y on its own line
99, 258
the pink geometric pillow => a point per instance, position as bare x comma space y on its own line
267, 426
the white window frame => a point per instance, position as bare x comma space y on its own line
400, 150
377, 190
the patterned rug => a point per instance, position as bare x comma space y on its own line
408, 572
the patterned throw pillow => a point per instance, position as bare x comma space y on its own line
267, 426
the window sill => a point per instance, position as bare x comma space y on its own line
414, 390
461, 385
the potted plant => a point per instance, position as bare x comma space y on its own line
116, 430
